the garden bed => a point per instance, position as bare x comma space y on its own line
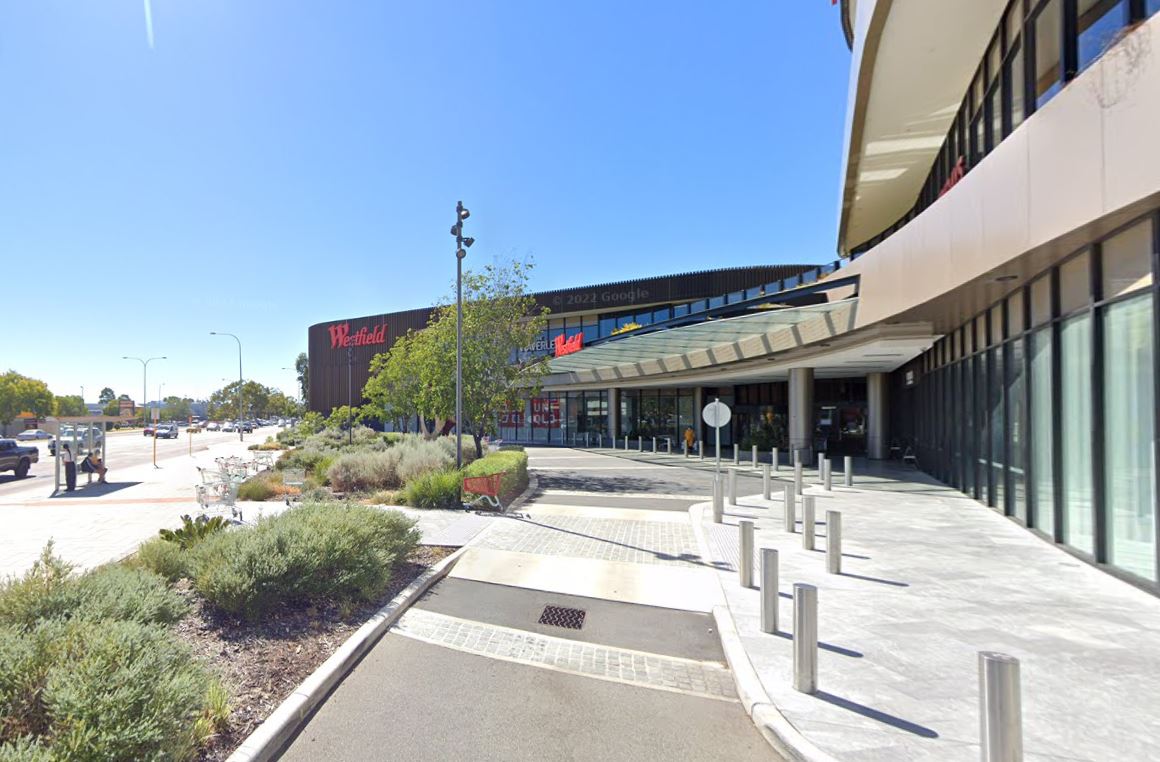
262, 662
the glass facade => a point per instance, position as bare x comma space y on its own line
1044, 405
1034, 52
561, 418
656, 413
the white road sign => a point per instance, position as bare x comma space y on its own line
716, 414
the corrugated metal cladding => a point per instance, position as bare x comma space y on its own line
328, 357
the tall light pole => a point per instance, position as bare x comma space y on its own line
160, 402
462, 244
241, 437
144, 382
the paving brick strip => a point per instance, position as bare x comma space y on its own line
667, 673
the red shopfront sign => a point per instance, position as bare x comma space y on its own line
957, 173
340, 335
545, 413
566, 346
512, 418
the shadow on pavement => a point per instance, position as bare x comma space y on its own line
95, 489
874, 714
824, 646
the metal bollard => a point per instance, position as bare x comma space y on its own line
745, 567
700, 450
755, 457
718, 500
640, 443
833, 542
732, 486
790, 508
808, 519
685, 448
736, 456
821, 460
848, 472
1000, 708
769, 596
765, 481
773, 457
626, 442
587, 439
797, 457
805, 638
827, 480
668, 446
797, 477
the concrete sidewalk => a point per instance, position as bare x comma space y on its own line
929, 579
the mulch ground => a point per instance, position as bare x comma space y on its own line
261, 663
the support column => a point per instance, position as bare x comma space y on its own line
698, 405
801, 413
878, 416
613, 414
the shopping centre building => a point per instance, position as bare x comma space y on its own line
993, 312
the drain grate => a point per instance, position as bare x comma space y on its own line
559, 616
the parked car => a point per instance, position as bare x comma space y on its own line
229, 426
194, 428
149, 430
213, 426
30, 434
247, 427
16, 458
81, 436
167, 431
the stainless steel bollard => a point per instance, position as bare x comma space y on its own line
808, 518
587, 439
827, 480
600, 441
654, 444
755, 457
1000, 708
745, 567
765, 481
790, 508
732, 486
797, 457
626, 443
769, 595
821, 460
736, 456
640, 443
848, 471
797, 477
773, 457
805, 638
833, 542
700, 450
718, 501
668, 446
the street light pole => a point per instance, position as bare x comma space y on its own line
144, 383
241, 437
462, 244
349, 412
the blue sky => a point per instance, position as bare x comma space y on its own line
270, 165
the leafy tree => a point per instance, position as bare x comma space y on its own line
393, 388
499, 319
70, 404
302, 365
107, 396
177, 408
21, 394
112, 407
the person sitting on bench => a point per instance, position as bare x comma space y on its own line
92, 464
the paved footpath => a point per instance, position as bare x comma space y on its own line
481, 669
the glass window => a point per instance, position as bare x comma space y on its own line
1074, 283
1042, 507
1127, 260
1152, 6
556, 323
1015, 313
1076, 422
997, 324
994, 56
680, 310
983, 421
607, 325
978, 140
1016, 90
1048, 32
995, 106
1041, 300
773, 288
591, 333
1128, 435
1014, 23
981, 332
734, 296
699, 306
1016, 438
664, 313
1099, 22
716, 301
644, 318
998, 428
590, 320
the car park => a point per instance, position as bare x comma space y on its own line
229, 426
31, 434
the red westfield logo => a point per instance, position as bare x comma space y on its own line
340, 335
566, 346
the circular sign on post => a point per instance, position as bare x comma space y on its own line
716, 414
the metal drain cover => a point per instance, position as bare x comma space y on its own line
559, 616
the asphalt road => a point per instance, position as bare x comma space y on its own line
127, 448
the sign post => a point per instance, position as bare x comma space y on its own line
717, 414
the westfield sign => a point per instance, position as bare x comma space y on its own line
340, 335
566, 346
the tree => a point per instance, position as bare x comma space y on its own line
70, 404
499, 319
302, 365
176, 408
394, 384
107, 396
112, 407
21, 394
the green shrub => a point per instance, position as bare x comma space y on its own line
438, 489
193, 531
162, 557
124, 690
418, 458
513, 464
334, 551
127, 594
256, 488
26, 749
45, 591
357, 471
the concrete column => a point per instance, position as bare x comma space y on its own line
614, 415
878, 416
801, 412
698, 406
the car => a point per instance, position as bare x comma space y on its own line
166, 431
229, 426
213, 426
29, 434
17, 459
81, 436
194, 428
247, 427
149, 430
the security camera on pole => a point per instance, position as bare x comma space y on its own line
461, 246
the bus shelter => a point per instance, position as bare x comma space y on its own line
83, 434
